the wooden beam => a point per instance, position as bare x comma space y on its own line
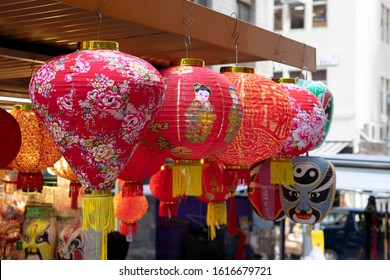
208, 26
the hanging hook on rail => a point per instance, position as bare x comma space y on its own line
235, 34
99, 14
188, 21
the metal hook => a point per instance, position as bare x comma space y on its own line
304, 61
235, 34
279, 50
188, 21
99, 14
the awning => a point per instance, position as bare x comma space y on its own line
330, 148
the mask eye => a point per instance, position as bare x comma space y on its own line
290, 193
318, 197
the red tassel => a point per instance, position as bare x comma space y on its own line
168, 209
232, 216
30, 181
128, 228
74, 191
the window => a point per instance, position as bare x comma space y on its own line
385, 24
297, 14
385, 96
320, 76
245, 10
319, 13
202, 2
296, 74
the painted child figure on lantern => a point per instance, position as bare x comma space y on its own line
200, 115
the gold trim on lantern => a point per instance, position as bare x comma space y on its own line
188, 62
97, 192
97, 45
237, 69
23, 107
285, 80
236, 167
187, 162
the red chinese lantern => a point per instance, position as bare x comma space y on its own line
264, 196
161, 188
215, 194
10, 138
97, 103
200, 116
62, 169
37, 151
306, 131
129, 209
143, 164
266, 122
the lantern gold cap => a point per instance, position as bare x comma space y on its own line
97, 45
22, 107
237, 69
285, 80
188, 62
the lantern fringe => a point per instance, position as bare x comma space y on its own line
216, 216
281, 170
232, 229
186, 180
168, 209
128, 228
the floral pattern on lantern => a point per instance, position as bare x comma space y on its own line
97, 103
201, 115
37, 150
10, 138
325, 96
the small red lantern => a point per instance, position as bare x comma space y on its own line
266, 122
264, 196
37, 151
129, 209
200, 116
97, 103
161, 188
62, 169
215, 194
306, 132
10, 138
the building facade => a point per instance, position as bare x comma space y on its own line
352, 41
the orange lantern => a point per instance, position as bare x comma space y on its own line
129, 209
161, 188
62, 169
266, 123
215, 194
37, 151
201, 115
10, 138
306, 132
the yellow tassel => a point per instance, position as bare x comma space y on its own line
216, 216
186, 178
98, 214
281, 171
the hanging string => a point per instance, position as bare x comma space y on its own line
279, 51
235, 34
99, 14
188, 21
33, 64
304, 61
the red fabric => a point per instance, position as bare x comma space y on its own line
266, 120
264, 196
10, 138
186, 128
30, 181
126, 229
134, 188
97, 104
143, 164
74, 191
161, 188
232, 216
